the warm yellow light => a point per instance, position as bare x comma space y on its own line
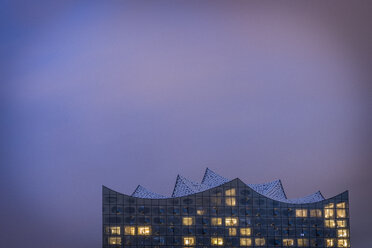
301, 212
245, 242
114, 230
343, 243
341, 205
217, 241
330, 242
144, 230
230, 201
231, 221
115, 240
329, 213
329, 205
188, 241
302, 242
187, 221
129, 230
341, 213
342, 233
245, 231
288, 242
341, 223
230, 192
216, 221
232, 231
330, 223
259, 242
200, 212
315, 213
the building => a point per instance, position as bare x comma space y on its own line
225, 213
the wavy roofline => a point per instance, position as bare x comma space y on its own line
178, 197
183, 187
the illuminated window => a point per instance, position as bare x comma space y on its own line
199, 211
341, 205
302, 242
216, 221
115, 240
301, 212
330, 242
329, 213
329, 205
230, 201
232, 231
341, 223
341, 213
113, 230
245, 231
188, 241
245, 242
230, 192
144, 230
288, 242
343, 243
315, 213
342, 233
231, 221
217, 241
129, 230
259, 242
330, 223
187, 221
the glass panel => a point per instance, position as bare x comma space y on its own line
245, 231
187, 221
230, 192
217, 241
330, 223
343, 243
113, 230
341, 223
341, 213
259, 242
342, 233
315, 213
330, 242
245, 241
230, 201
144, 230
129, 230
216, 221
115, 240
189, 241
231, 221
200, 211
329, 213
288, 242
302, 242
301, 212
232, 231
341, 205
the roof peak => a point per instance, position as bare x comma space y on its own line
185, 186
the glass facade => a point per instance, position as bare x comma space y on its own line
229, 215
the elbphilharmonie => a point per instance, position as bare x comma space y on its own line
219, 212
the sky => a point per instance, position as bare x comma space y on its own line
121, 93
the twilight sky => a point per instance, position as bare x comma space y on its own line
127, 93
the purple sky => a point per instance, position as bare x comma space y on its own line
124, 94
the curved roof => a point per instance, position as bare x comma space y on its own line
183, 187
